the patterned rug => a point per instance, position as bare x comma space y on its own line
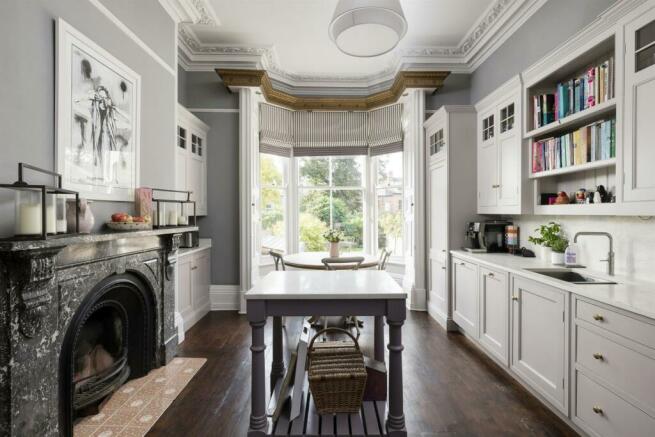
136, 406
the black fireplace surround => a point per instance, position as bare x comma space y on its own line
54, 296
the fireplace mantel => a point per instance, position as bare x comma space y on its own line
42, 284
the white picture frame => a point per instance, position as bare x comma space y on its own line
98, 112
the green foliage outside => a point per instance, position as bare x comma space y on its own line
347, 207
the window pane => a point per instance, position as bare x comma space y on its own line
273, 170
272, 212
314, 172
390, 220
347, 172
348, 216
390, 169
314, 219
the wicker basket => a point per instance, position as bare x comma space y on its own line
337, 375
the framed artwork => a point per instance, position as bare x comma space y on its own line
98, 109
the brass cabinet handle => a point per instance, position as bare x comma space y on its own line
599, 356
598, 317
461, 264
495, 186
443, 268
515, 298
597, 410
194, 268
491, 275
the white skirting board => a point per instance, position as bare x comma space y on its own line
224, 297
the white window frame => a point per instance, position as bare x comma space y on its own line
396, 258
364, 188
267, 260
369, 189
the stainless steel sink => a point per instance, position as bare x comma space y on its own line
573, 277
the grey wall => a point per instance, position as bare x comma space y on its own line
554, 23
27, 106
181, 85
456, 90
205, 91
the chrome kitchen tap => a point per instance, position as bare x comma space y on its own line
610, 254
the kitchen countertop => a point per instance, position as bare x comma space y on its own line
629, 293
204, 243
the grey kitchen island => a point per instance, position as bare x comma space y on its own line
327, 293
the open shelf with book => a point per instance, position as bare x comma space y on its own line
570, 130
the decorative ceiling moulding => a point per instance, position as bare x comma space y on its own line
191, 11
499, 21
429, 80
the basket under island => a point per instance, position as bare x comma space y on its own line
334, 293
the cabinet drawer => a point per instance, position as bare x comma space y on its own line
604, 414
628, 327
617, 365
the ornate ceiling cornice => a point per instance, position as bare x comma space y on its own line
497, 23
191, 11
239, 78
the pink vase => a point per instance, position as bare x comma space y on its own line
334, 249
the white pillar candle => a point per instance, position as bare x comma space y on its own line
28, 221
62, 223
51, 219
172, 218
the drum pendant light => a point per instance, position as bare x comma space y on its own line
367, 28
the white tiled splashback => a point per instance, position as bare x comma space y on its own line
634, 241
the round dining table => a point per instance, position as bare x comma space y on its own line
313, 260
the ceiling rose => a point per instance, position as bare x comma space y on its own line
367, 28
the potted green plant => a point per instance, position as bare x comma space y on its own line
558, 247
334, 236
551, 241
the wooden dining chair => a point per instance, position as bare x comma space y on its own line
384, 257
355, 262
278, 259
331, 263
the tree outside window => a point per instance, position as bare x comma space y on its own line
331, 195
389, 202
273, 180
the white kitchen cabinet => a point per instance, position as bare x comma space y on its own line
192, 285
450, 147
639, 93
539, 315
191, 158
613, 363
500, 168
465, 296
494, 313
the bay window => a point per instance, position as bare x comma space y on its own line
331, 195
273, 180
301, 198
389, 202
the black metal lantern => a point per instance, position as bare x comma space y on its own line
36, 214
173, 212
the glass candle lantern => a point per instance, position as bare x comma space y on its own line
62, 222
28, 212
172, 214
51, 213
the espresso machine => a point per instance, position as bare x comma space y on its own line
489, 236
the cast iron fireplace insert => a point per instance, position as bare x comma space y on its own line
111, 339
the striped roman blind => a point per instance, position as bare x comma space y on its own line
385, 130
329, 133
275, 130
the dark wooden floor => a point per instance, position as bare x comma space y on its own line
451, 389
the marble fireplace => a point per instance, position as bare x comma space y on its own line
79, 316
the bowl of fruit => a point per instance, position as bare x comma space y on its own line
122, 221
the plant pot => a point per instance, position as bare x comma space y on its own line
334, 249
544, 252
557, 258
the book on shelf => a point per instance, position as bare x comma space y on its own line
590, 143
592, 88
